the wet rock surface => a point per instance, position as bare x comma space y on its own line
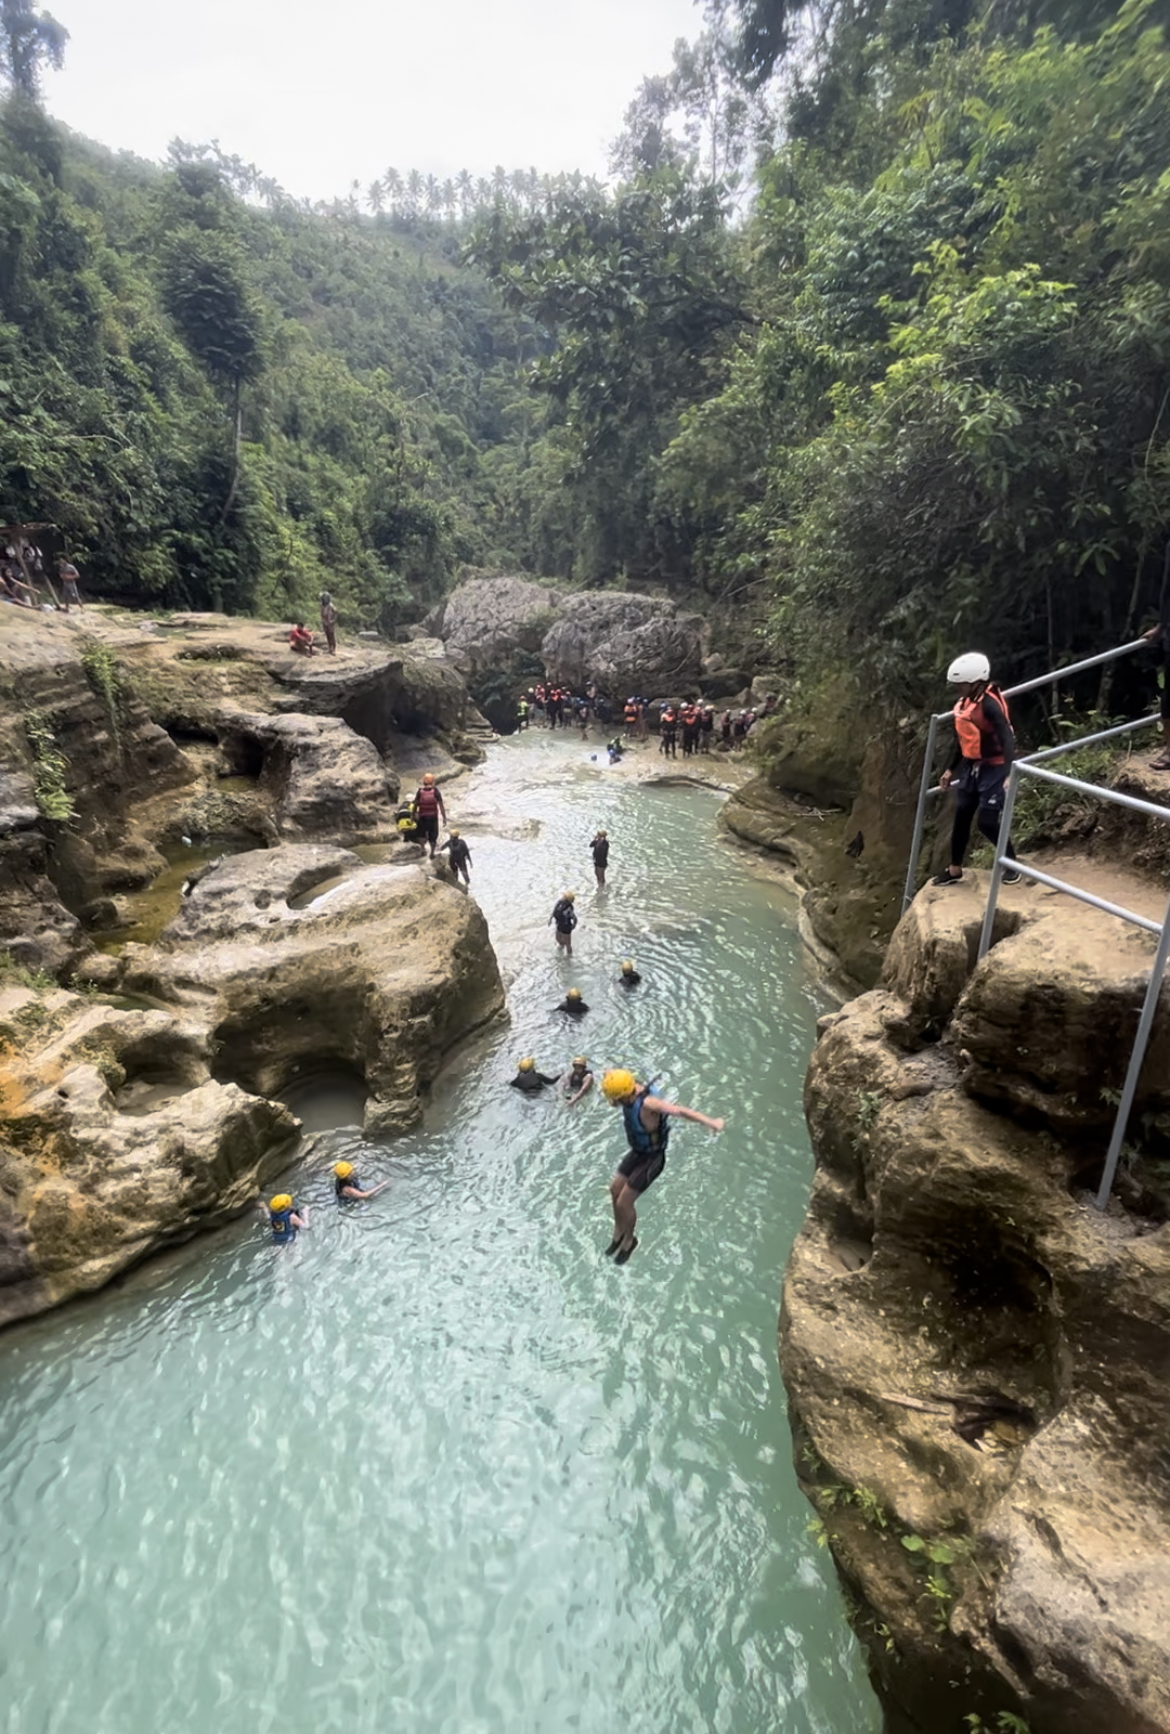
977, 1360
115, 1141
381, 973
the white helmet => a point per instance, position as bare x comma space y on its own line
973, 667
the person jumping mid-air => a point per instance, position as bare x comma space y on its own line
647, 1126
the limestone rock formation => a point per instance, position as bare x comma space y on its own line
976, 1359
487, 619
626, 642
321, 778
114, 1141
381, 971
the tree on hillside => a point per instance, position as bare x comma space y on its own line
30, 40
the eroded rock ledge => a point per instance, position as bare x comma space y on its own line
126, 1129
977, 1361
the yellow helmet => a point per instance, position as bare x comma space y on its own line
570, 896
282, 1201
580, 1060
618, 1085
574, 993
429, 777
343, 1170
627, 966
452, 834
528, 1064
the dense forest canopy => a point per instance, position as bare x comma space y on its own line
873, 318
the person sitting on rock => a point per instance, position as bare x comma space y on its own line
528, 1078
428, 810
576, 1082
301, 639
459, 855
572, 1004
284, 1219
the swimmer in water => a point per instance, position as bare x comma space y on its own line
284, 1219
572, 1004
576, 1082
528, 1078
347, 1186
646, 1119
629, 976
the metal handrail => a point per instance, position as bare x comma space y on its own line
1114, 797
1053, 677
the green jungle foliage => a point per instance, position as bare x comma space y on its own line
908, 376
221, 405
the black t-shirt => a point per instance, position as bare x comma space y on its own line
459, 852
600, 847
573, 1008
565, 916
529, 1081
629, 978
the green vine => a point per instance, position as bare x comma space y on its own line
49, 768
105, 678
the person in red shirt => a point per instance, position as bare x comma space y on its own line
301, 639
428, 810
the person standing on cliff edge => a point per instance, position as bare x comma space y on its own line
985, 746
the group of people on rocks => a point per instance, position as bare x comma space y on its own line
22, 571
301, 639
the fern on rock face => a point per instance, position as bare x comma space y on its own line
50, 767
105, 677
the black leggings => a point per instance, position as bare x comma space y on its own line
968, 803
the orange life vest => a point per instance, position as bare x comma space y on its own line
631, 713
977, 737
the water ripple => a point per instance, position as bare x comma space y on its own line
441, 1467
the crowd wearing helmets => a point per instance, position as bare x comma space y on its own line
691, 722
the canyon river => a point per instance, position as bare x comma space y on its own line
441, 1468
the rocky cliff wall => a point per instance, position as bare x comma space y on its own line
147, 732
977, 1360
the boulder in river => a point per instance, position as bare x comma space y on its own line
301, 959
626, 642
115, 1141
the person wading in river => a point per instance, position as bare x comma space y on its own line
600, 848
576, 1082
647, 1126
984, 749
565, 918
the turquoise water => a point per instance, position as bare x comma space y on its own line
441, 1469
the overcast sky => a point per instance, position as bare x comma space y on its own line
318, 95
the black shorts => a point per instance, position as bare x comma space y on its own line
640, 1171
428, 829
982, 783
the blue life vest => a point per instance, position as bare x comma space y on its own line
339, 1186
641, 1140
283, 1232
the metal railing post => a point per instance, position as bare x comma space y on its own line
920, 815
1005, 831
1136, 1061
